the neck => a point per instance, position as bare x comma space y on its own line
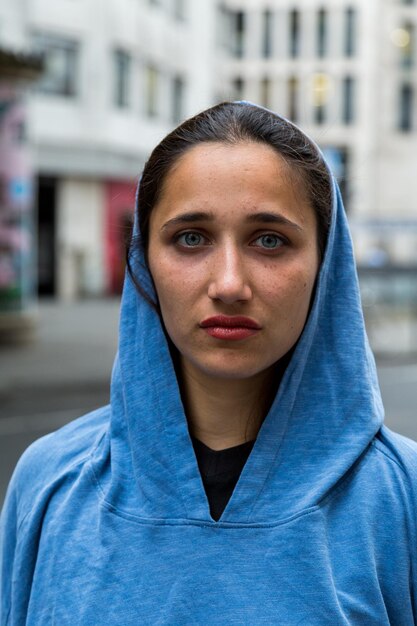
226, 412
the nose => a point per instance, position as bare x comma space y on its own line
228, 281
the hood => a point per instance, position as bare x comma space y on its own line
325, 415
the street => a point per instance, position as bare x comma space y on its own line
66, 373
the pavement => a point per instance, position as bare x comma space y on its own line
65, 372
74, 345
62, 374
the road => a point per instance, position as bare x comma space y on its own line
66, 373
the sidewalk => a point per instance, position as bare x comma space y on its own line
71, 356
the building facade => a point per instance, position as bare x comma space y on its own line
346, 71
119, 75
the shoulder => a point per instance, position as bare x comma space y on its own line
399, 449
397, 464
52, 458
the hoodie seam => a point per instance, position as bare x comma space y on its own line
79, 463
366, 458
377, 445
131, 517
347, 477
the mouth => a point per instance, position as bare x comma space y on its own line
232, 328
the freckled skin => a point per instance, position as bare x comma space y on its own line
229, 272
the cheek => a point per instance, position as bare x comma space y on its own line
291, 293
176, 279
176, 293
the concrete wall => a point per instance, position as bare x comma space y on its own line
81, 238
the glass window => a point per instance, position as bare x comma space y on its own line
405, 118
293, 96
178, 93
348, 100
322, 33
406, 45
238, 86
179, 9
294, 33
321, 85
152, 80
267, 34
266, 92
320, 114
238, 28
61, 65
122, 63
350, 32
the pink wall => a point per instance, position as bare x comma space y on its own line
120, 202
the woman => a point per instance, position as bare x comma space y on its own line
242, 473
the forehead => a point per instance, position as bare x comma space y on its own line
231, 180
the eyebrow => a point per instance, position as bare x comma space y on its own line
263, 216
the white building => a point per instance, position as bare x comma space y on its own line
120, 74
346, 71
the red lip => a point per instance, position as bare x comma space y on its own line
225, 321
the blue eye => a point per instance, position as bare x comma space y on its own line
269, 241
190, 240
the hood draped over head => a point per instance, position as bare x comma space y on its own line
327, 410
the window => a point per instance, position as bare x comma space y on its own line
320, 96
152, 80
406, 45
322, 33
350, 32
238, 33
267, 34
179, 9
238, 86
61, 65
294, 33
321, 85
266, 92
122, 63
405, 121
320, 114
293, 95
348, 100
178, 92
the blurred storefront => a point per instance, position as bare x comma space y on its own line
17, 243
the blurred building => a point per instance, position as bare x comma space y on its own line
346, 71
119, 75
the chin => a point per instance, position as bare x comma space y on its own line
229, 370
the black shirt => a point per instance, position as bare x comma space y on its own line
220, 471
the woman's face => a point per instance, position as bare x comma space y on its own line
233, 254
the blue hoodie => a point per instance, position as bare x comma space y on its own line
107, 522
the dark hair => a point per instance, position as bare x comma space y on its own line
234, 123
